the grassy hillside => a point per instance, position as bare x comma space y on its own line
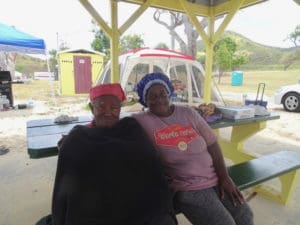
28, 65
262, 57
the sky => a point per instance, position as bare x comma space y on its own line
268, 23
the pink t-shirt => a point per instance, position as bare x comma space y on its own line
181, 140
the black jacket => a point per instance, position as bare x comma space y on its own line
109, 176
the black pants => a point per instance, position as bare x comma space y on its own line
204, 207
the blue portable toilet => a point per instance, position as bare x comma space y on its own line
237, 78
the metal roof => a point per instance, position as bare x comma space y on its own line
80, 51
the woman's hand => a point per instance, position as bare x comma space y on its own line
225, 182
227, 185
60, 142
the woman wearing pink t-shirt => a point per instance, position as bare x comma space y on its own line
191, 157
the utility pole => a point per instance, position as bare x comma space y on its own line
57, 45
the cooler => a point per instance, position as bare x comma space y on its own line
237, 78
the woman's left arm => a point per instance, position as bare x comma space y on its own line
225, 182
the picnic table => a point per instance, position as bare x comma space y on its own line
43, 135
242, 129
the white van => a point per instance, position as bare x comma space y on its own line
43, 75
186, 73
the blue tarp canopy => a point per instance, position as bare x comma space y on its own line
13, 40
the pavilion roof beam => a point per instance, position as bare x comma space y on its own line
127, 23
189, 11
173, 6
235, 6
86, 4
113, 31
197, 8
136, 15
226, 7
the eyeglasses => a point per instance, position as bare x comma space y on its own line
154, 97
100, 106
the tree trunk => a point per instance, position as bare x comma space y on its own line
221, 72
189, 46
191, 36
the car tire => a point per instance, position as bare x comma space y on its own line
291, 102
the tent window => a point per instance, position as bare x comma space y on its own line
197, 82
138, 71
178, 77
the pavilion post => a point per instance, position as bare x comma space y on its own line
114, 41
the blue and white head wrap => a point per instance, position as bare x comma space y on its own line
148, 81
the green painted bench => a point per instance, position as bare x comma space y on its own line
253, 173
259, 170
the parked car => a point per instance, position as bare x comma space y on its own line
289, 97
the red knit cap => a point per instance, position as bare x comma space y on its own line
107, 89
